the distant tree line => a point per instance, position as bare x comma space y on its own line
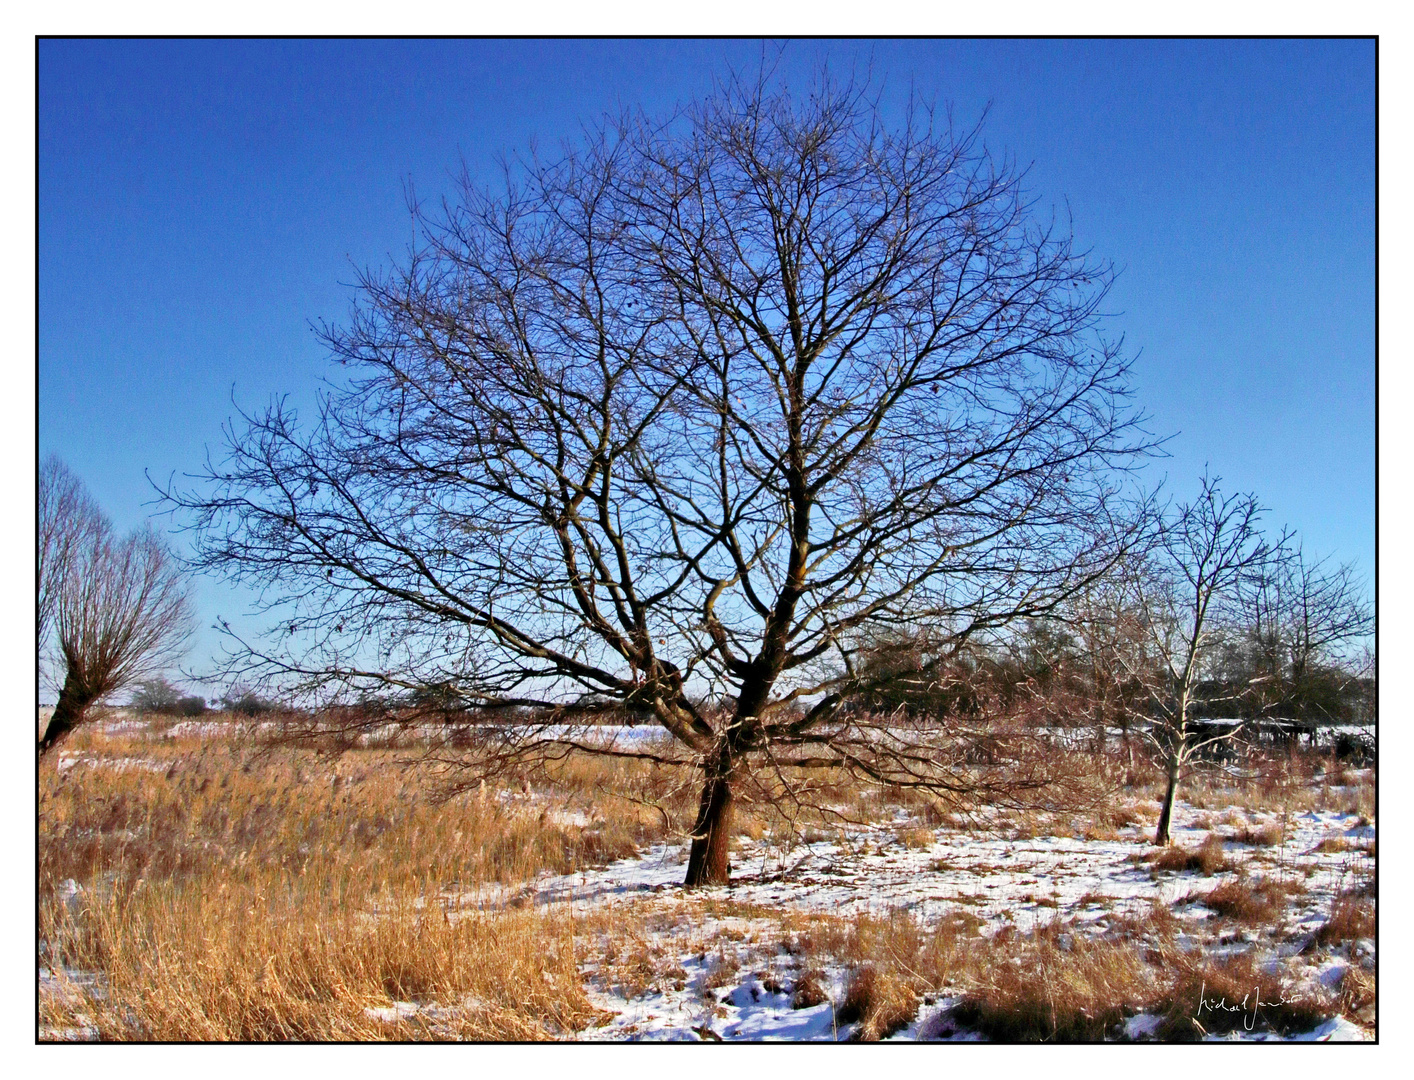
1208, 619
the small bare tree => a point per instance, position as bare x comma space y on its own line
1306, 619
69, 520
119, 607
1189, 595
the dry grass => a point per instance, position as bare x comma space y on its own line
1331, 844
1268, 835
722, 971
917, 839
894, 961
1286, 780
1248, 901
1211, 998
809, 990
880, 1003
229, 894
1085, 992
1208, 858
1053, 995
1358, 994
275, 956
1352, 918
359, 819
290, 894
636, 967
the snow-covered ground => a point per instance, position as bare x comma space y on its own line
879, 869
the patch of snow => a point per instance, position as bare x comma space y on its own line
1333, 974
391, 1014
1142, 1026
69, 760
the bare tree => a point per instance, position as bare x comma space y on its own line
1318, 610
1189, 594
681, 418
1302, 630
1114, 648
69, 520
119, 606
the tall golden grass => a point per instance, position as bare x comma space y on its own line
234, 892
227, 893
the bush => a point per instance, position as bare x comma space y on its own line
1208, 858
158, 697
245, 702
880, 1002
155, 696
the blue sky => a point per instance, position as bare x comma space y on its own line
202, 203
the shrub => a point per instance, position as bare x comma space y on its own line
244, 702
192, 705
881, 1003
1208, 858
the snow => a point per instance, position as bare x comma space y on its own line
69, 760
1023, 882
1004, 882
399, 1010
1142, 1026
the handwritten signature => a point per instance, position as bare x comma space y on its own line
1252, 1002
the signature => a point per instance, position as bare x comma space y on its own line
1252, 1002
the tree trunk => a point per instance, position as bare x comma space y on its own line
68, 714
707, 862
1161, 835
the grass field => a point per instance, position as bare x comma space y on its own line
213, 888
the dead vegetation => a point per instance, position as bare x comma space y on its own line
809, 990
1208, 858
1352, 918
227, 892
1084, 991
1050, 994
274, 957
1267, 835
1249, 901
880, 1003
1216, 998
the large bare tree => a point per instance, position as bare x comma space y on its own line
676, 421
118, 605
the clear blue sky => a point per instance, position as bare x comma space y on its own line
201, 203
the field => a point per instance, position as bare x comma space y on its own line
197, 883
